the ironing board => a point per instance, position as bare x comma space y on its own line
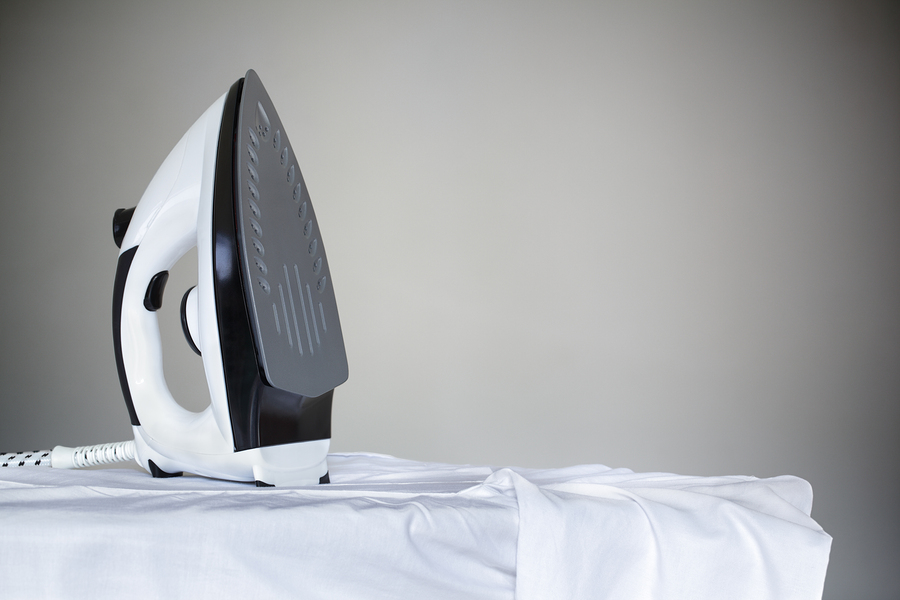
392, 528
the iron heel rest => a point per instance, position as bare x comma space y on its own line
263, 315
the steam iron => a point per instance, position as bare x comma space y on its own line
262, 316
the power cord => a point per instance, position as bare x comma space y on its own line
62, 457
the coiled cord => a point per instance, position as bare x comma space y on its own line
99, 454
62, 457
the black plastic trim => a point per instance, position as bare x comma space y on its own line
285, 418
184, 323
235, 341
121, 221
122, 268
153, 297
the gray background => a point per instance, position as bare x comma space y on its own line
648, 234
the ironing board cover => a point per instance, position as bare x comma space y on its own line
392, 528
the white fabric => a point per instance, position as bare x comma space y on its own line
390, 528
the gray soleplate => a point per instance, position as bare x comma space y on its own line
285, 271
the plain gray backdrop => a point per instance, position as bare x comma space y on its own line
655, 235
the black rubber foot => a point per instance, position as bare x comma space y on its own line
323, 479
157, 472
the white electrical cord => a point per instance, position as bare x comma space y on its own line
62, 457
36, 458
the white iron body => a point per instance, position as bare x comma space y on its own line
173, 216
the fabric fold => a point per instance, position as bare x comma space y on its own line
392, 528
